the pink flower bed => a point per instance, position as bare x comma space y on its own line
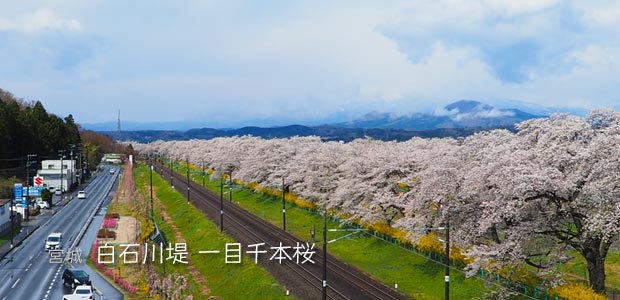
109, 223
109, 272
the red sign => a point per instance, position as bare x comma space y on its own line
38, 181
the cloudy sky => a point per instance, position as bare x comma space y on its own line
227, 62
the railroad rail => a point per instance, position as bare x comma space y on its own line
303, 280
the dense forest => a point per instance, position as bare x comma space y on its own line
26, 128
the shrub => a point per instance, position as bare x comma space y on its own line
431, 243
105, 233
111, 215
577, 291
109, 223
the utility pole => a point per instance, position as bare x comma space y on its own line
203, 173
447, 259
12, 230
28, 162
187, 163
72, 165
222, 202
283, 205
151, 181
230, 186
325, 254
171, 178
80, 149
62, 155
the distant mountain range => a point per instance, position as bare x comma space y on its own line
461, 118
460, 114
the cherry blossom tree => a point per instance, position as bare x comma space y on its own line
511, 197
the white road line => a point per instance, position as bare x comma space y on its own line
14, 284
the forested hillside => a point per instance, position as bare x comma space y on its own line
26, 128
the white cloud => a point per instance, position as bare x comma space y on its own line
39, 20
243, 60
442, 111
514, 7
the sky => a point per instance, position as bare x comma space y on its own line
277, 62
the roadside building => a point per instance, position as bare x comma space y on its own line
54, 176
5, 216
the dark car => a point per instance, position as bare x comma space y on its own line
73, 278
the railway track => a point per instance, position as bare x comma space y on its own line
303, 280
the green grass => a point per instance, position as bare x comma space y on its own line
414, 274
578, 268
228, 281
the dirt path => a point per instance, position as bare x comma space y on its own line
200, 279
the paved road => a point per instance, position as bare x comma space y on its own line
26, 272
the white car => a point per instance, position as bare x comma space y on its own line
42, 204
54, 241
81, 195
80, 292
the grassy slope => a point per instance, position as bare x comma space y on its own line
229, 281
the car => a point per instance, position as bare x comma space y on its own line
58, 192
42, 204
80, 292
75, 277
112, 171
81, 195
54, 241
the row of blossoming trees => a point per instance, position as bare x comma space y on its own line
512, 197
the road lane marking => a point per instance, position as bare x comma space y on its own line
14, 284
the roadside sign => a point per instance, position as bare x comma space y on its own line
18, 191
33, 191
38, 181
